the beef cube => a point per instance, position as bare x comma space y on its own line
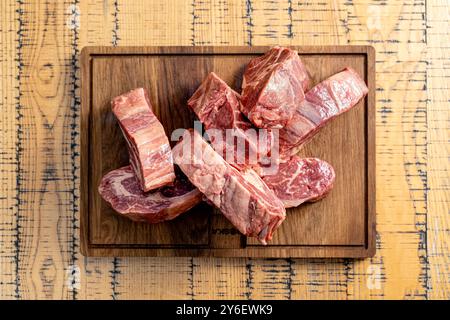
273, 87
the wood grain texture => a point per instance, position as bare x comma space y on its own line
397, 32
412, 132
341, 225
438, 150
10, 133
45, 196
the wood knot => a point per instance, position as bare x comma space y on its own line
46, 73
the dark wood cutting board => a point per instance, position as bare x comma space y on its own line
341, 225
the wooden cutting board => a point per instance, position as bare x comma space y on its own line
341, 225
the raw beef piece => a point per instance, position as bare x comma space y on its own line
325, 101
242, 197
218, 107
273, 86
300, 180
148, 146
122, 191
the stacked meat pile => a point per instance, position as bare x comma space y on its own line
249, 170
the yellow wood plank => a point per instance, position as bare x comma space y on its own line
269, 279
9, 131
396, 30
46, 180
438, 168
157, 23
221, 278
96, 22
154, 278
320, 279
319, 23
268, 22
218, 23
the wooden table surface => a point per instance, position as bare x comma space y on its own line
39, 151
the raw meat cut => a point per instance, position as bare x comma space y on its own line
218, 107
331, 97
148, 145
242, 197
300, 180
122, 191
273, 86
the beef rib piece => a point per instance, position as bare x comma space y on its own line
301, 180
122, 191
273, 86
218, 107
148, 145
242, 197
328, 99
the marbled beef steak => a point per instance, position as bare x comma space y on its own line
121, 189
301, 180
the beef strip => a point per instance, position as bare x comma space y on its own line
148, 145
328, 99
